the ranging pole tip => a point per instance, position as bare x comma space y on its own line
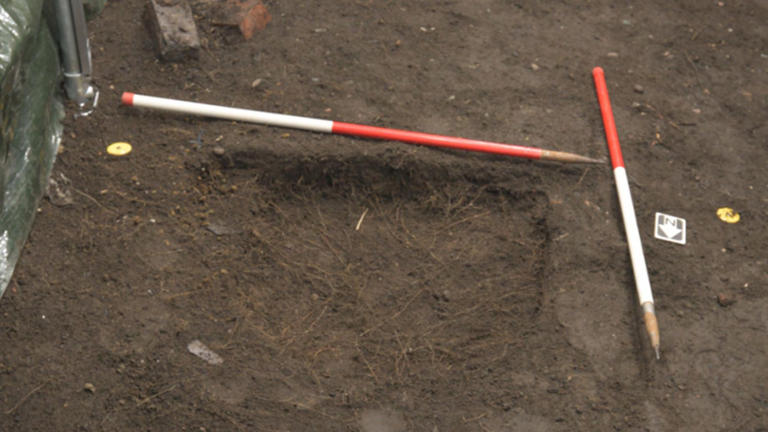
601, 161
597, 70
127, 98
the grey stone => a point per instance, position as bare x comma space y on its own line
172, 28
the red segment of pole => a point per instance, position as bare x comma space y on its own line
435, 140
611, 136
127, 98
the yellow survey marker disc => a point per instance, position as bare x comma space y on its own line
727, 214
119, 149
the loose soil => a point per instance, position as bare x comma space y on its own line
360, 285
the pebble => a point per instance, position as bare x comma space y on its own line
219, 151
534, 66
199, 349
639, 89
612, 54
725, 300
90, 388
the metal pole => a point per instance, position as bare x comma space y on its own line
75, 54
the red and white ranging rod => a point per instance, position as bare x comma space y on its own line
351, 129
639, 268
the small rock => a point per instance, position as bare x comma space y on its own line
639, 89
199, 349
612, 54
725, 300
220, 229
534, 66
219, 151
256, 82
90, 388
255, 19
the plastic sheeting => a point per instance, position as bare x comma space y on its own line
30, 116
93, 7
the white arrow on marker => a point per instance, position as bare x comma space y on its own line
669, 227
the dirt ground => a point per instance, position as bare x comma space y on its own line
357, 285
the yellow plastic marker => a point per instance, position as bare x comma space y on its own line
119, 149
727, 214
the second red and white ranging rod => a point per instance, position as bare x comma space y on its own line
334, 127
642, 282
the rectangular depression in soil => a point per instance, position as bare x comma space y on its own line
379, 273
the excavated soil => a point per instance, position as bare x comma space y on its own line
351, 284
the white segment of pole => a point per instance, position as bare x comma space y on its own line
642, 282
237, 114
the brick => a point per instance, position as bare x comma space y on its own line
172, 27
